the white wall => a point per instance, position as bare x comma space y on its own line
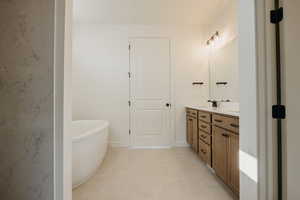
148, 12
291, 71
248, 98
226, 23
101, 64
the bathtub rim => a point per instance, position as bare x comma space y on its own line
90, 132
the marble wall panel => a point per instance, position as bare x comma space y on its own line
26, 99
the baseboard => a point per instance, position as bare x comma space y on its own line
117, 144
151, 147
177, 144
181, 144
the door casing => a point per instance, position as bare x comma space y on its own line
265, 63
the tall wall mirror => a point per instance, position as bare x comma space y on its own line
224, 71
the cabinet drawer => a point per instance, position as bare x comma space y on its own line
204, 152
204, 127
228, 123
191, 112
205, 137
204, 116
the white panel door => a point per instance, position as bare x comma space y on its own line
150, 92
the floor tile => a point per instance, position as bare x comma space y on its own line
164, 174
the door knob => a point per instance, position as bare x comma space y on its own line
168, 104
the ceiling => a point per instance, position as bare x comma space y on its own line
185, 12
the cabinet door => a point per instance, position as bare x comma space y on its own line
189, 130
233, 171
220, 153
195, 135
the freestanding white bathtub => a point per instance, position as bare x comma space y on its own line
90, 141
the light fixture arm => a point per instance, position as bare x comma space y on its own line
213, 38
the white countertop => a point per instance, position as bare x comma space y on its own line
224, 111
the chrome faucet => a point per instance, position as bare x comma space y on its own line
215, 102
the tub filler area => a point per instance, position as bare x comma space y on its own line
89, 143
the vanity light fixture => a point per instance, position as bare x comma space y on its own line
212, 39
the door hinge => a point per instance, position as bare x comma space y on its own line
129, 132
276, 15
129, 74
129, 47
278, 112
129, 103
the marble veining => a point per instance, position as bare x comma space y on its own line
26, 103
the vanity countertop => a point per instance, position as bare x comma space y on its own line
223, 111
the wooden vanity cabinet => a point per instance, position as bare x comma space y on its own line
189, 130
204, 125
225, 151
225, 122
195, 136
204, 152
233, 164
204, 116
215, 137
192, 128
220, 153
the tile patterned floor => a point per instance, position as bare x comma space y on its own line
169, 174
